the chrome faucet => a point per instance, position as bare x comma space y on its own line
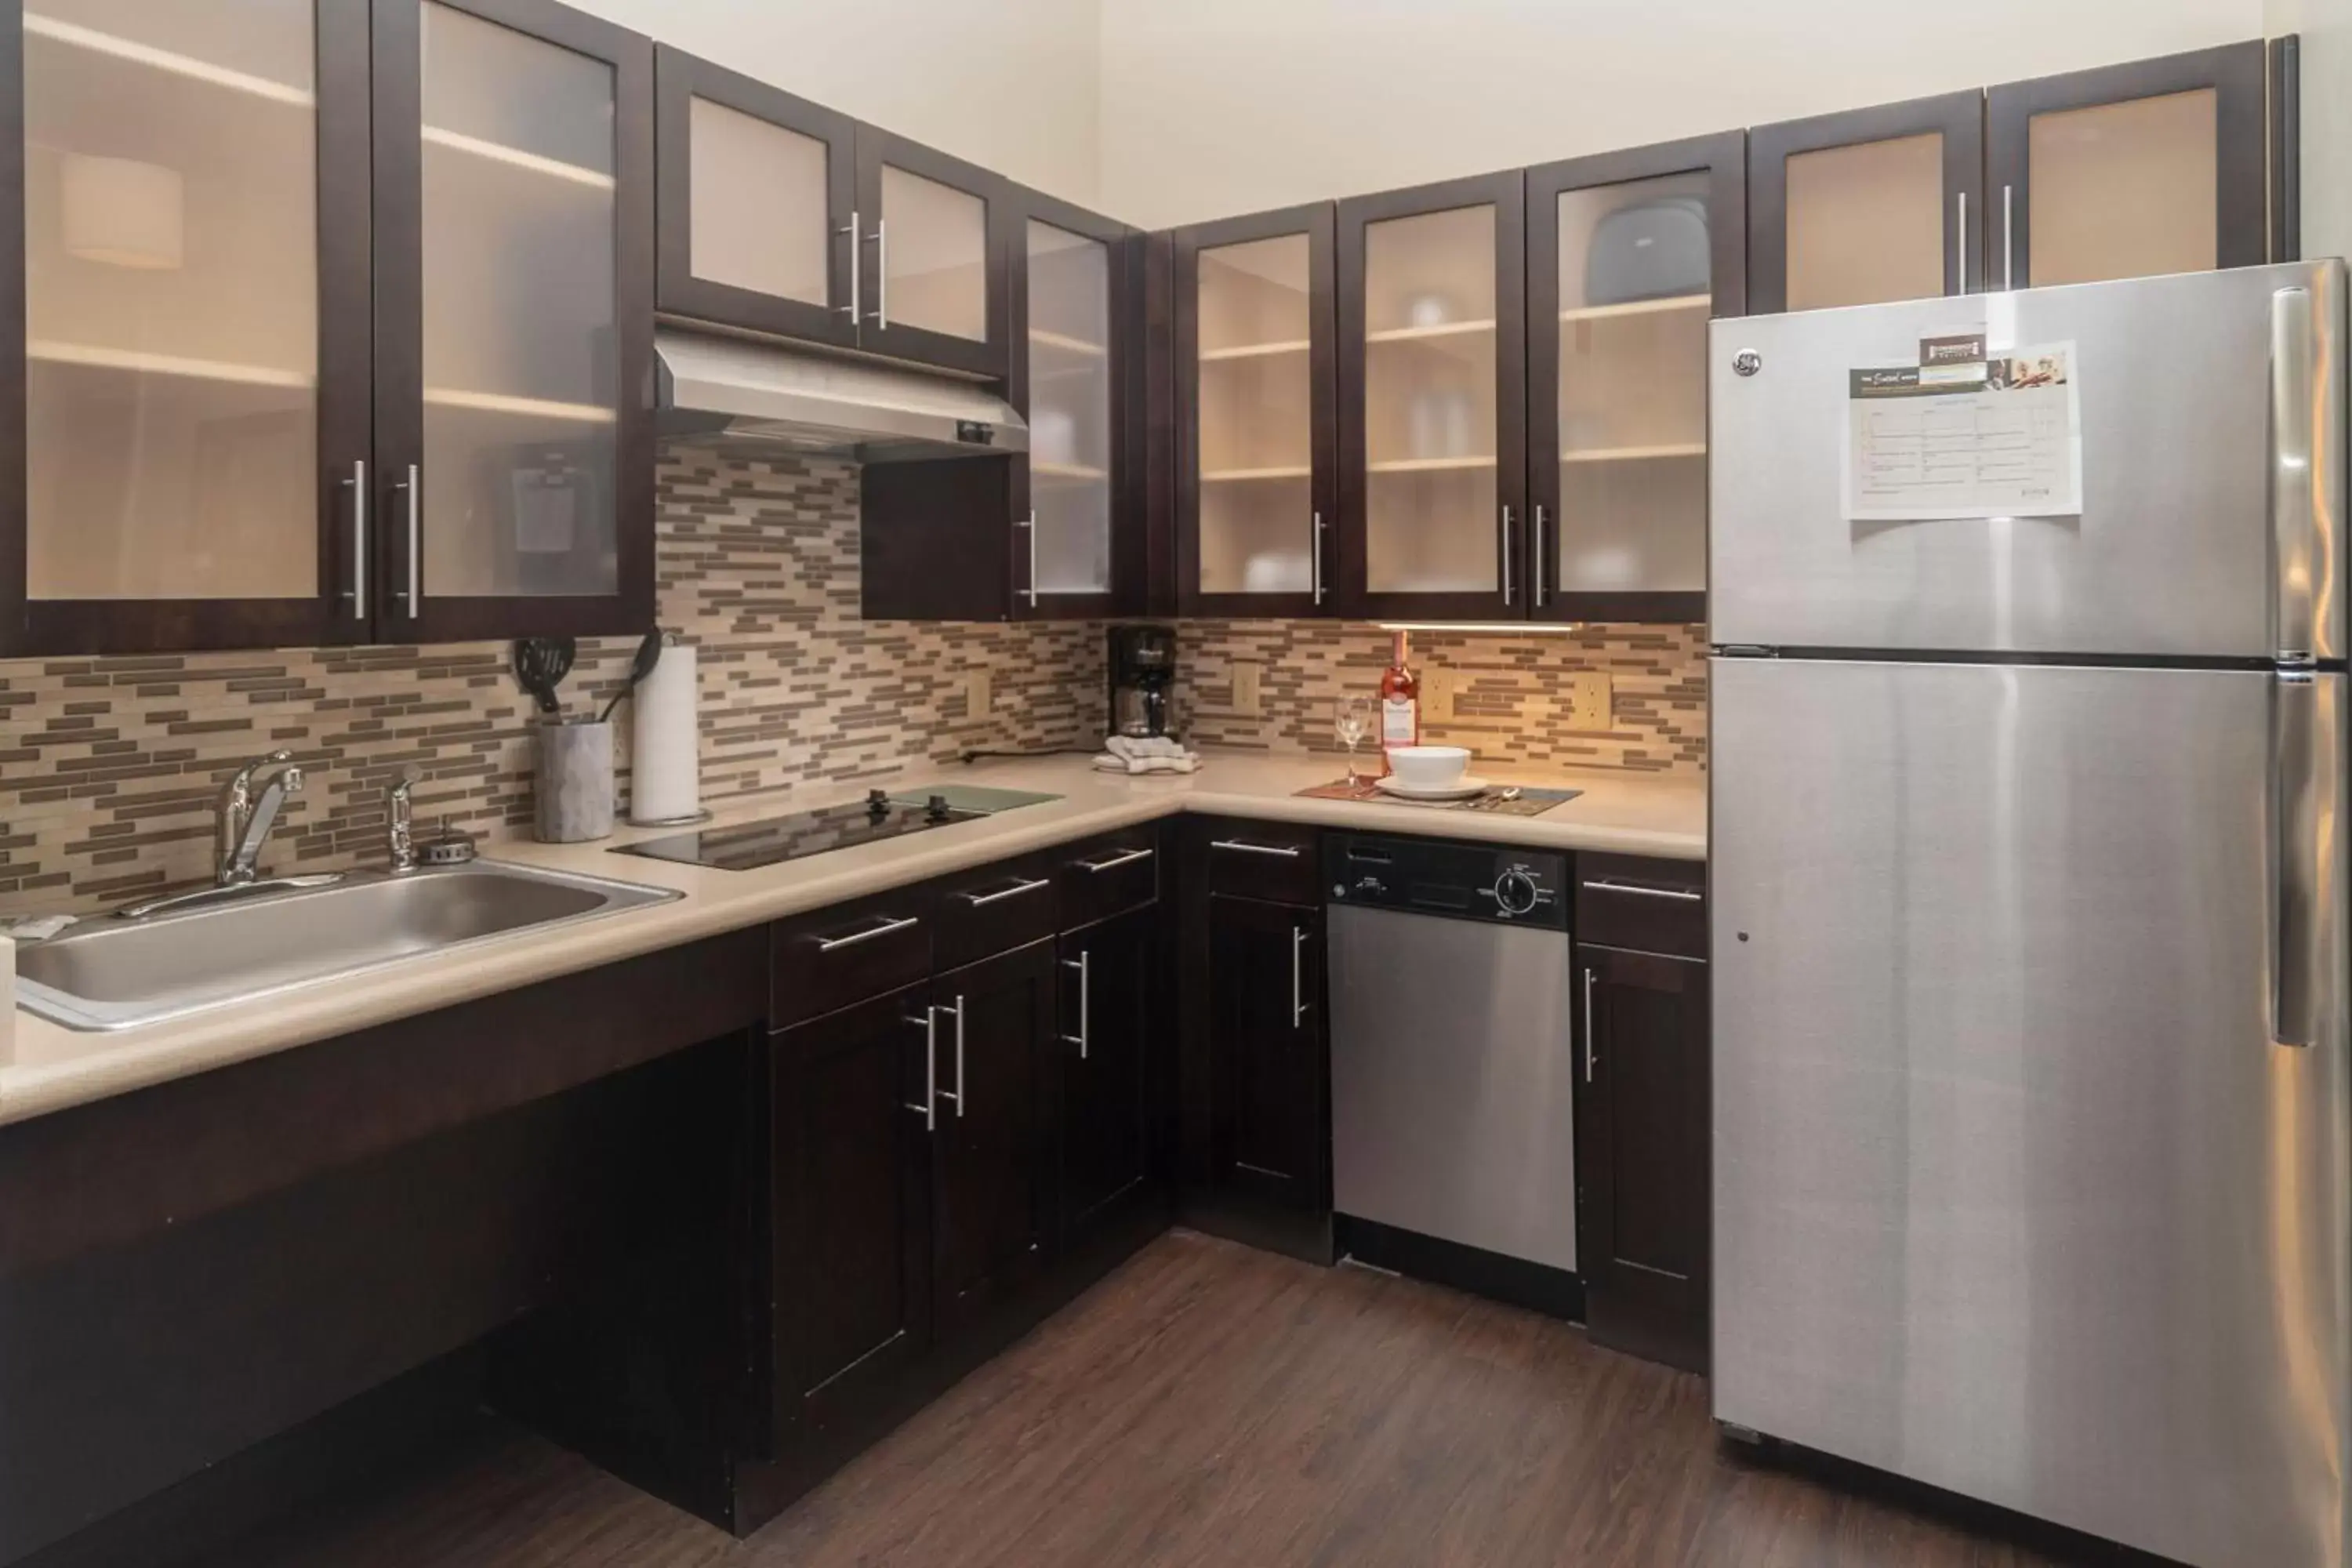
400, 839
245, 817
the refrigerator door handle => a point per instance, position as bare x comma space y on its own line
2299, 781
2298, 534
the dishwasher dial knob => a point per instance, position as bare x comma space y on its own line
1515, 892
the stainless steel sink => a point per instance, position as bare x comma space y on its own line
116, 975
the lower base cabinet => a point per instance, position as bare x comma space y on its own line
1114, 998
1269, 1125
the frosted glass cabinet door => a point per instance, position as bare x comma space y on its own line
196, 365
2151, 167
758, 191
1256, 501
1073, 462
1433, 408
1867, 206
520, 501
1629, 255
932, 259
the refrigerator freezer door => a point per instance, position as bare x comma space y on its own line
2014, 1192
2212, 421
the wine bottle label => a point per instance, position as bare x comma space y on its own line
1400, 721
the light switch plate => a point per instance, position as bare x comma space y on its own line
1247, 700
978, 699
1591, 701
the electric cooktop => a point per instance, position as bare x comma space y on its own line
746, 845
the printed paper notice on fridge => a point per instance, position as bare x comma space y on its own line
1963, 434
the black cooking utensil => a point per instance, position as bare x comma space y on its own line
540, 663
641, 665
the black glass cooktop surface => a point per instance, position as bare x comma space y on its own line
746, 845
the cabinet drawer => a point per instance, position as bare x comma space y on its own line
829, 958
1277, 861
1107, 876
992, 909
1643, 905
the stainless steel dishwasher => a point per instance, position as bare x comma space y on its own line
1452, 1068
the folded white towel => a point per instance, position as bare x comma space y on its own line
1156, 754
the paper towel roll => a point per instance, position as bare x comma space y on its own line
7, 1002
666, 742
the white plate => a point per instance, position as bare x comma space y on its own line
1462, 788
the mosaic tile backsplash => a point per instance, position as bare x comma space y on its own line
1510, 698
108, 767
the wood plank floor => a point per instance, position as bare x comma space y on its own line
1208, 1403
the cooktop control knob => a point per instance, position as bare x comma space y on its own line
936, 809
1515, 892
878, 802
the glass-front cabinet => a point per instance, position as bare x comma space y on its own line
1075, 278
1433, 376
1629, 255
335, 321
1257, 426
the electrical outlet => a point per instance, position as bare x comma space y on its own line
1591, 701
1247, 700
1437, 687
978, 700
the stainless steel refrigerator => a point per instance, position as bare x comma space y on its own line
2028, 884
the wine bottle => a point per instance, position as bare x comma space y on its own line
1400, 705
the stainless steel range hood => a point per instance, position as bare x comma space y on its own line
757, 394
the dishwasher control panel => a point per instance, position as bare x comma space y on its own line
1440, 877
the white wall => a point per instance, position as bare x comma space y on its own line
1216, 107
1008, 84
2325, 141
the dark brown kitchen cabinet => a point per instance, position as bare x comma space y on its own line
1432, 338
1629, 255
987, 1050
1255, 417
1270, 1137
1867, 205
1112, 1000
932, 256
2157, 166
852, 1201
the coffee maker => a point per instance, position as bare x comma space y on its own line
1142, 676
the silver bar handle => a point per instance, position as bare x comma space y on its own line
827, 945
2298, 534
1030, 524
2300, 808
1507, 552
1315, 559
1020, 886
856, 256
1297, 975
1588, 1026
1116, 861
1960, 241
1243, 847
881, 312
1680, 895
930, 1110
359, 483
1536, 560
407, 487
1084, 964
2007, 238
958, 1095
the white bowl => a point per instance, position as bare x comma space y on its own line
1429, 767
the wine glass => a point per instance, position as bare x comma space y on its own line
1351, 720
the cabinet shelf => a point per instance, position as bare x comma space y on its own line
1238, 475
92, 356
516, 158
1672, 303
1255, 351
1635, 454
1062, 342
1427, 465
521, 407
74, 36
1072, 473
1423, 334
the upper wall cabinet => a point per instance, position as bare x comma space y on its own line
781, 216
1867, 206
1629, 254
1432, 400
1256, 422
335, 325
2156, 166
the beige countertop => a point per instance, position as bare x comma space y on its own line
55, 1067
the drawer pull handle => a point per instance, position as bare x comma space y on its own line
1243, 847
981, 900
1679, 895
1116, 861
827, 945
